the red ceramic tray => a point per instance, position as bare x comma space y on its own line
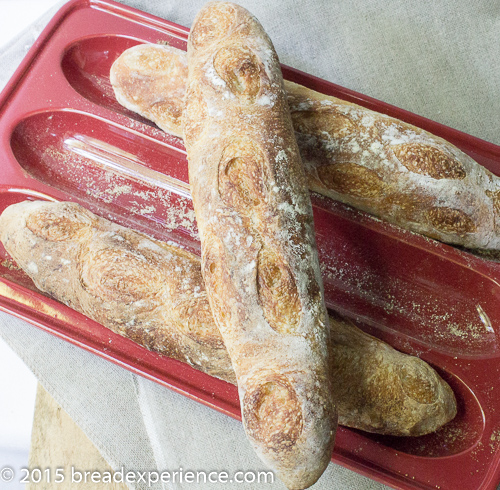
63, 136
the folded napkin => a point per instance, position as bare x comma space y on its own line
432, 58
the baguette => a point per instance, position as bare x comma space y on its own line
259, 257
153, 293
373, 162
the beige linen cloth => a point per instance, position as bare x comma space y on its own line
439, 59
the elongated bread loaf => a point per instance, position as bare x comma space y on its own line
259, 257
153, 293
373, 162
151, 81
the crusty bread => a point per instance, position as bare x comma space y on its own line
259, 257
139, 88
117, 277
152, 83
373, 162
153, 293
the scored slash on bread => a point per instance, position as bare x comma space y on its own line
259, 257
370, 161
152, 293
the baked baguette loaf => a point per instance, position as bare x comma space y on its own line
259, 257
373, 162
153, 294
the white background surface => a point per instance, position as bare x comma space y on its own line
16, 15
17, 383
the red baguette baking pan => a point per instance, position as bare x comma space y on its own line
64, 137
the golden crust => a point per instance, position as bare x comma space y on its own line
278, 293
376, 163
240, 69
151, 83
427, 160
260, 261
352, 179
273, 412
212, 24
372, 394
123, 280
394, 170
448, 220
